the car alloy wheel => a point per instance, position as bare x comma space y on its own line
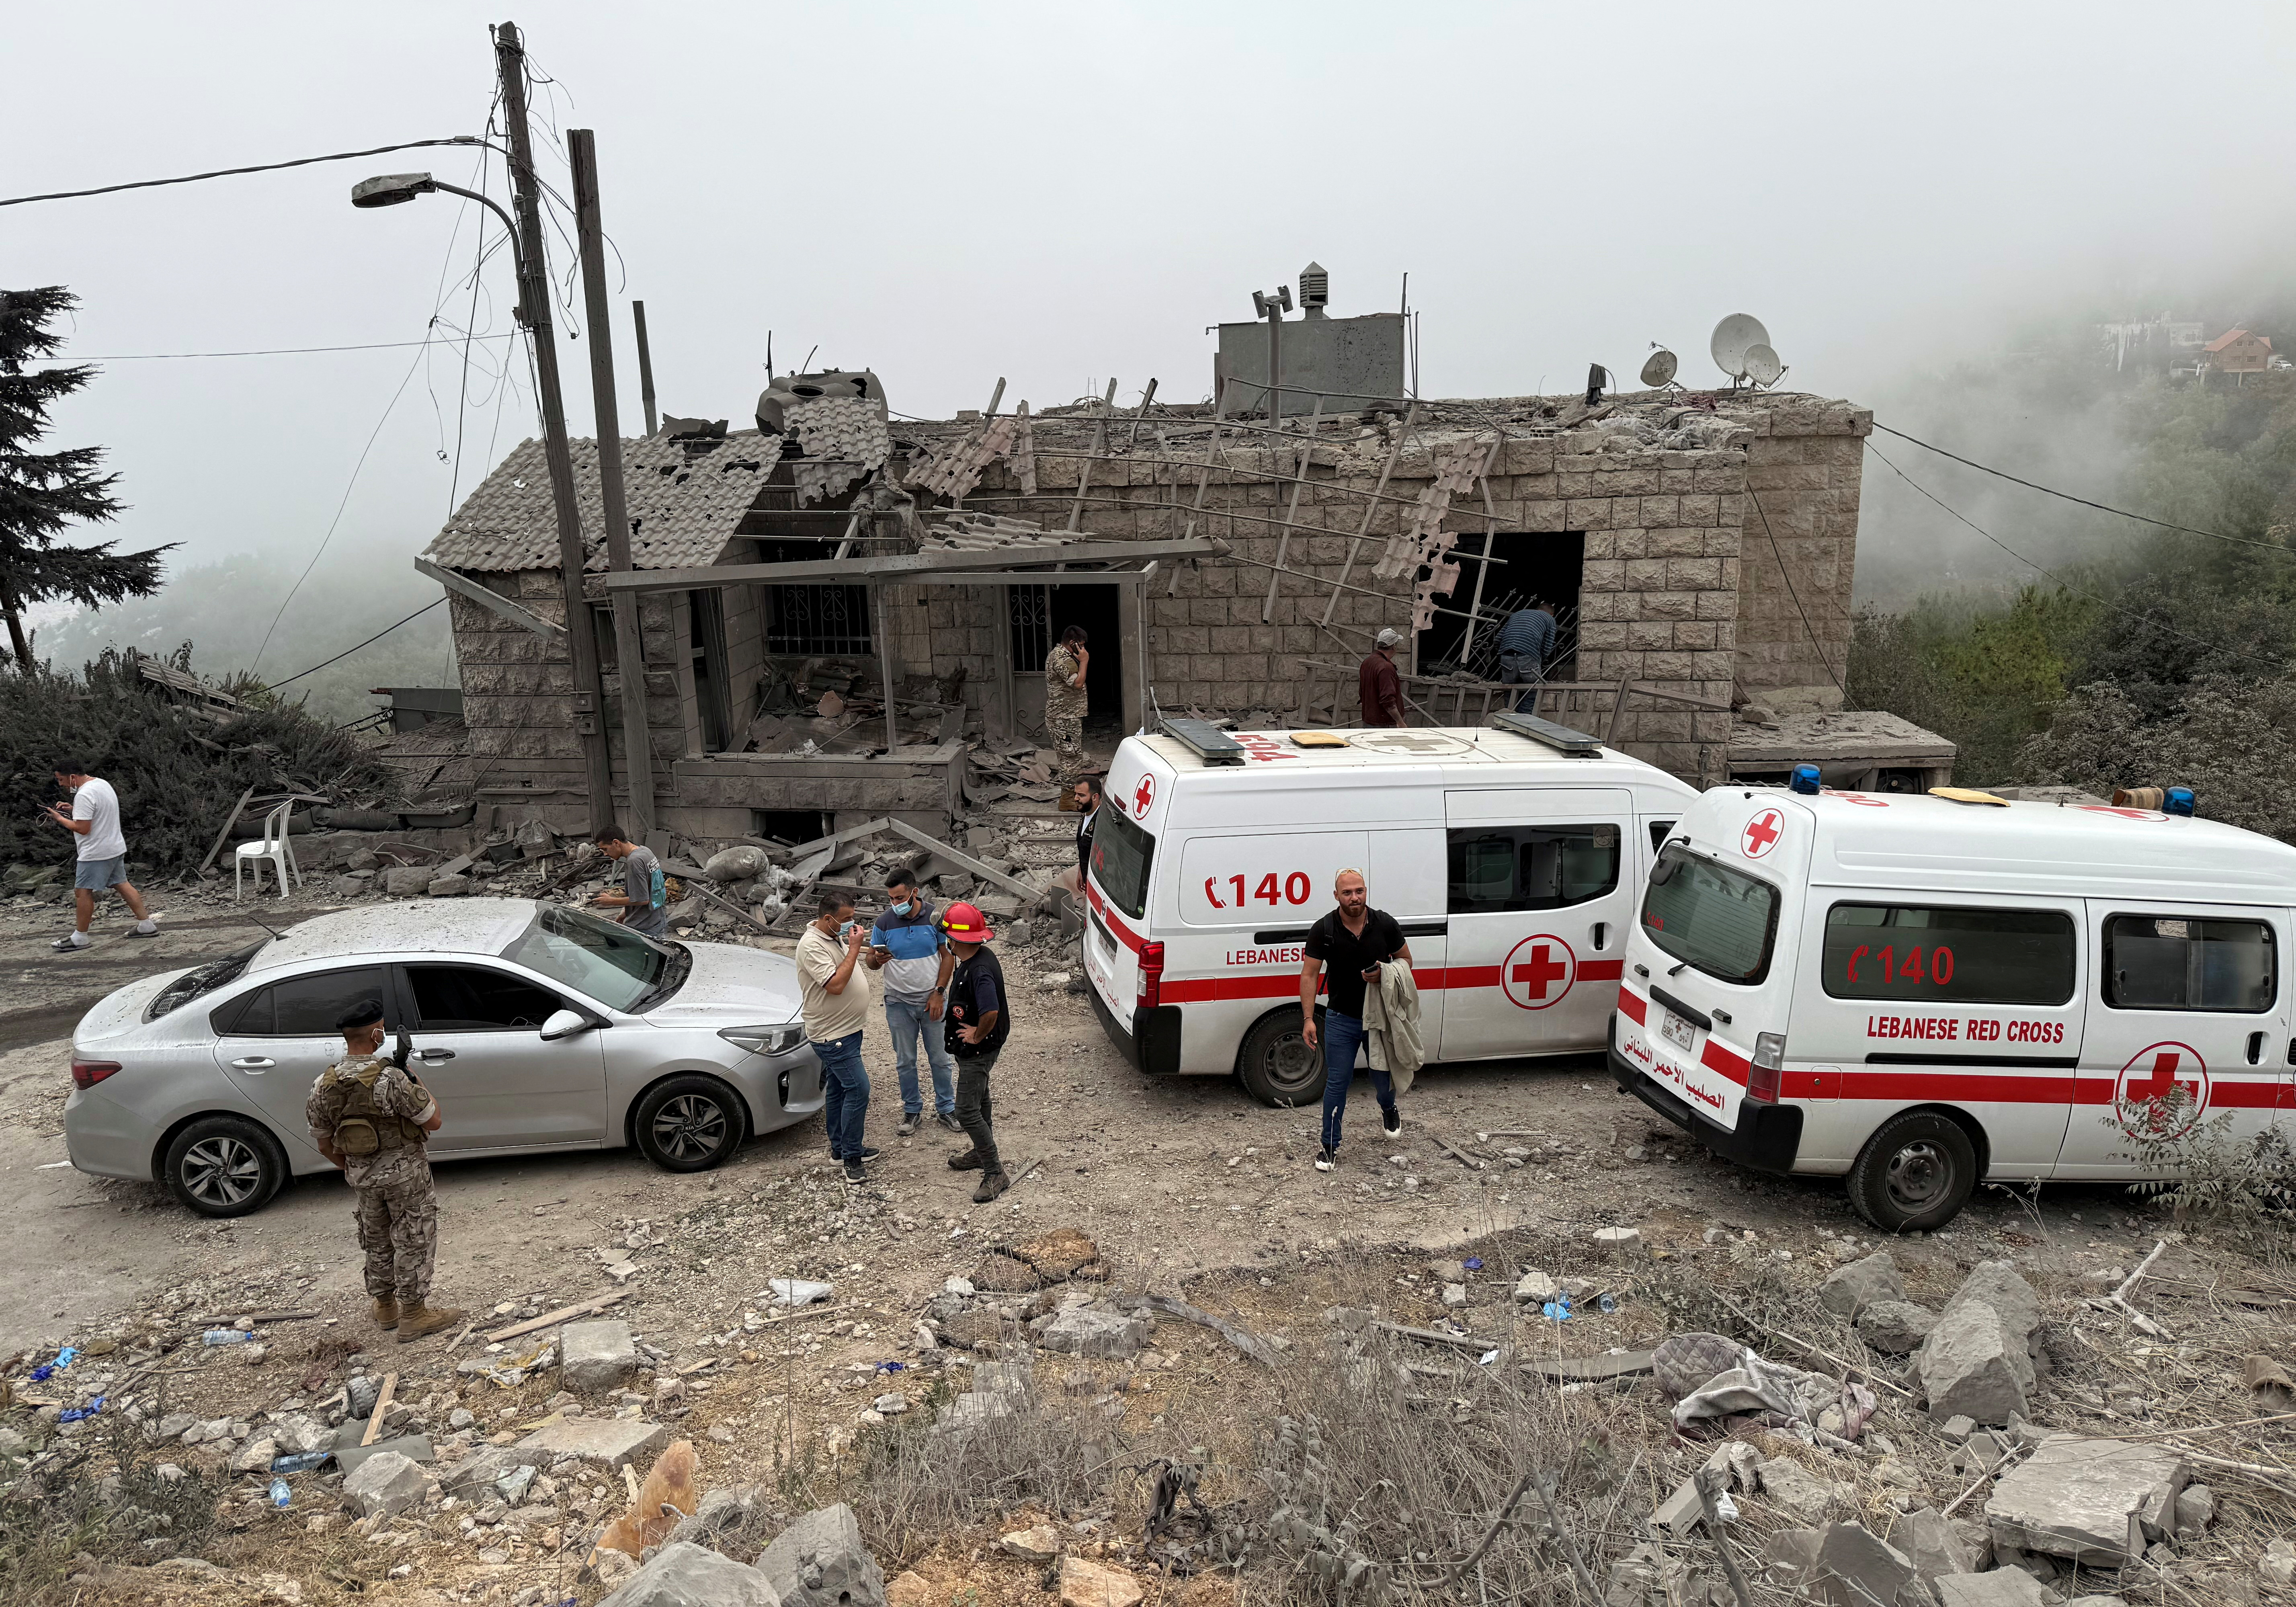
689, 1128
222, 1172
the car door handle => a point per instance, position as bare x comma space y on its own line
2256, 1048
1601, 932
430, 1055
253, 1062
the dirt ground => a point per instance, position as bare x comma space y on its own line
1187, 1186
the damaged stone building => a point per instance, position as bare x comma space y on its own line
832, 601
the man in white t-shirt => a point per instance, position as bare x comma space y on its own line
94, 819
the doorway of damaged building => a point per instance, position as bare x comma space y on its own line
1524, 566
1036, 615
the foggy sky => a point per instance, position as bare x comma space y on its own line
1058, 194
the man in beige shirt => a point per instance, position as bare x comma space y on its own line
835, 1000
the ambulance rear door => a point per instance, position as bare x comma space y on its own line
1539, 889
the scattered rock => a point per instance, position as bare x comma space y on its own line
390, 1483
1618, 1238
1040, 1543
1895, 1327
1849, 1289
1091, 1585
683, 1574
255, 1456
1958, 1427
1856, 1568
891, 1406
612, 1440
2278, 1566
1455, 1294
597, 1357
460, 1418
1972, 1365
1105, 1335
2085, 1499
1537, 1286
457, 886
912, 1589
2002, 1587
1928, 1538
820, 1561
1792, 1485
406, 880
1791, 1553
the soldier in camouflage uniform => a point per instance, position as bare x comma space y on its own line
370, 1116
1065, 702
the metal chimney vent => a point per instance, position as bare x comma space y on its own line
1315, 289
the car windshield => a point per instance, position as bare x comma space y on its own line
610, 963
201, 979
1721, 920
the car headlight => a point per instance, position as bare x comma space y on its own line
767, 1040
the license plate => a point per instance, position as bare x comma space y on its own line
1107, 937
1678, 1032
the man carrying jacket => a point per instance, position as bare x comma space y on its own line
906, 945
1348, 944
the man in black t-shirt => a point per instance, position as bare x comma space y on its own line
1348, 946
980, 1018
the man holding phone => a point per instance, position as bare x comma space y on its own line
93, 817
1348, 944
834, 998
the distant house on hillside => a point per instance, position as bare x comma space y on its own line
2237, 351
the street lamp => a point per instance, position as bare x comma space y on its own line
397, 189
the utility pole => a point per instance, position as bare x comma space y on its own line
533, 305
645, 369
629, 645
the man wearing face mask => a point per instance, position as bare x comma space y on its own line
906, 945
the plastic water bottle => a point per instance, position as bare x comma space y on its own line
225, 1336
279, 1494
302, 1461
1607, 1302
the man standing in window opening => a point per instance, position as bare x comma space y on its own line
1348, 944
1378, 684
1065, 702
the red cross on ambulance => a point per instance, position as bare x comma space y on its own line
2152, 1074
1538, 971
1761, 834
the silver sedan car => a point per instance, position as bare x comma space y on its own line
539, 1027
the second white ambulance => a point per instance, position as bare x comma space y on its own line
1514, 858
1920, 993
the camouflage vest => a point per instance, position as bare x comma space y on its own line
361, 1127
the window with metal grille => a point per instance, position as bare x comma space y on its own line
1031, 609
830, 620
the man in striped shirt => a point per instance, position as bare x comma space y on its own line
1525, 641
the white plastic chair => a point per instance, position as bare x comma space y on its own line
275, 850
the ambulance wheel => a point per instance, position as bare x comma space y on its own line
1276, 1065
1915, 1174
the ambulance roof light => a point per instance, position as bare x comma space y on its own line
1576, 744
2178, 800
1805, 780
1206, 740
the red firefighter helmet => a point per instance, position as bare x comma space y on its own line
965, 923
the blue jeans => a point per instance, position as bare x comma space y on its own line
907, 1023
1343, 1035
844, 1093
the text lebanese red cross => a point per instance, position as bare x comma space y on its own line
1761, 834
1541, 969
2163, 1078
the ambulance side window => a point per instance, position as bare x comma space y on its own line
1658, 830
1921, 954
1493, 869
2175, 962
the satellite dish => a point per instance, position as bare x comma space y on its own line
1762, 364
1659, 368
1732, 337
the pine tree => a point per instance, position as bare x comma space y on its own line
43, 492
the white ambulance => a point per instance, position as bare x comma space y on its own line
1512, 858
1920, 992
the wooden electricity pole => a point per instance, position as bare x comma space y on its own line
630, 648
534, 306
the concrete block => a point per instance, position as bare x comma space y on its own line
389, 1483
406, 880
2085, 1498
1107, 1335
597, 1357
2002, 1587
820, 1561
610, 1440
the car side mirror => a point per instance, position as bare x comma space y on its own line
565, 1023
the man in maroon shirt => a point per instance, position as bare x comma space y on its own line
1378, 684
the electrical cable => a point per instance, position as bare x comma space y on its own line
193, 178
272, 351
2068, 496
347, 652
2145, 621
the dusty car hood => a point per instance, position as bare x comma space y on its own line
731, 986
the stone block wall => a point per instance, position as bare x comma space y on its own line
1805, 467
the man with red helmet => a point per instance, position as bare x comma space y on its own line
978, 1018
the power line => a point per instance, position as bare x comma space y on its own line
2143, 619
2068, 497
193, 178
271, 351
347, 652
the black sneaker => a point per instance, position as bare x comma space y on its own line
992, 1184
909, 1121
1391, 1123
855, 1172
867, 1152
1325, 1160
948, 1118
968, 1161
